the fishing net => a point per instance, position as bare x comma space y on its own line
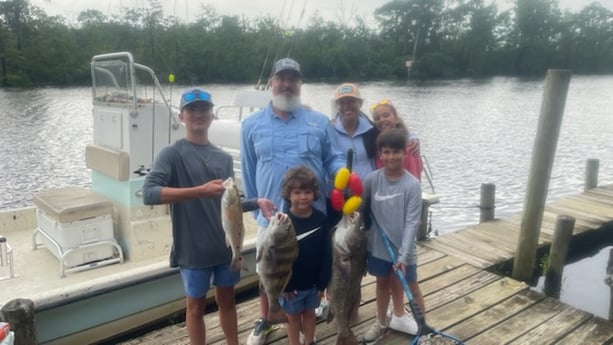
437, 339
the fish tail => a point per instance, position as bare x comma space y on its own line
347, 339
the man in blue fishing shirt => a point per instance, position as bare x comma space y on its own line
281, 136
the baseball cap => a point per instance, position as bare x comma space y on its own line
347, 90
195, 95
286, 64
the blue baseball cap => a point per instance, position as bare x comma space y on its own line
195, 95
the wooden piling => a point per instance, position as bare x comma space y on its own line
19, 313
548, 130
422, 233
562, 234
609, 281
591, 174
487, 203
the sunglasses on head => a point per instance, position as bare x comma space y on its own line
386, 101
197, 95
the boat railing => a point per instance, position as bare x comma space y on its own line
428, 173
245, 103
120, 71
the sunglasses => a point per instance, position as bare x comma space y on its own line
386, 101
197, 95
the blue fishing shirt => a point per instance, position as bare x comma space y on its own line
271, 146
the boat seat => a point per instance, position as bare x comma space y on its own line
71, 204
111, 162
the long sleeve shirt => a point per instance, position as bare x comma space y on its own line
270, 146
396, 205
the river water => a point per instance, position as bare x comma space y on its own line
472, 132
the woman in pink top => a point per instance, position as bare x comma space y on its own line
386, 117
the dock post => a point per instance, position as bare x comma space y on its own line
591, 173
548, 130
422, 233
19, 313
562, 234
487, 204
609, 281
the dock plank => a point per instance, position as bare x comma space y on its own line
491, 317
597, 331
520, 323
554, 329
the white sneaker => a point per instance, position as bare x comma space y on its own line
261, 330
405, 324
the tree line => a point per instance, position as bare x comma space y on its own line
438, 38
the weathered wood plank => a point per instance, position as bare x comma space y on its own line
551, 331
459, 254
450, 278
480, 322
578, 214
491, 250
520, 323
474, 302
594, 197
594, 332
586, 206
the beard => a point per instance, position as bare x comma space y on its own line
285, 103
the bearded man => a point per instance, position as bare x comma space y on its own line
283, 135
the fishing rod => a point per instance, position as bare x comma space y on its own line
423, 328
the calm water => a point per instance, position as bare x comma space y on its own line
472, 132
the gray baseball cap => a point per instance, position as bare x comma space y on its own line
286, 64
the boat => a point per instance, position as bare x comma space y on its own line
94, 262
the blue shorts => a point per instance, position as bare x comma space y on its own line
303, 300
382, 268
197, 281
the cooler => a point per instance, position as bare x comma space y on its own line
76, 225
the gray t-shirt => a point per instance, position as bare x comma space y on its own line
198, 237
396, 205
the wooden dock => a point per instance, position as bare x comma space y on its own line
462, 296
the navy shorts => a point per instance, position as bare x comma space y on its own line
382, 268
303, 300
197, 281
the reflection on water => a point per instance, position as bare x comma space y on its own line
580, 283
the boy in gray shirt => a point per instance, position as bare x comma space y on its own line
393, 197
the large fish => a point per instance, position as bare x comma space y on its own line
232, 222
348, 268
276, 255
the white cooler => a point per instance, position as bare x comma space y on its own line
76, 225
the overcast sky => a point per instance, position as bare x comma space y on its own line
337, 10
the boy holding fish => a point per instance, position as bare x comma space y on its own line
311, 270
392, 196
189, 176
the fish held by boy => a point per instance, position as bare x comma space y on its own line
232, 222
275, 258
348, 268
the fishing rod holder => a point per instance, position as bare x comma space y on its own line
6, 258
